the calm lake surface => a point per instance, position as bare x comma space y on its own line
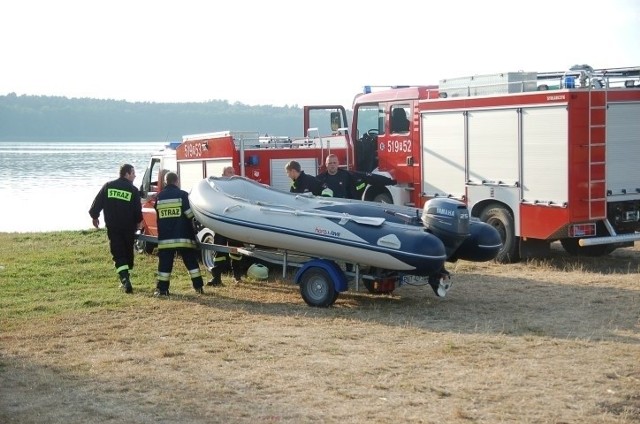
49, 186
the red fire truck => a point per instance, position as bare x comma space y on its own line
261, 158
543, 157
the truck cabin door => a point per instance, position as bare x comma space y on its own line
369, 124
395, 148
149, 185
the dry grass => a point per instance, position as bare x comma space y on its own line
549, 341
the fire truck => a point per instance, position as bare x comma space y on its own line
259, 157
541, 156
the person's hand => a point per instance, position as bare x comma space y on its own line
96, 222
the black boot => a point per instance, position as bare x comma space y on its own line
217, 277
197, 285
125, 283
237, 273
162, 288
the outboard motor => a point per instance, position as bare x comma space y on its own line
447, 219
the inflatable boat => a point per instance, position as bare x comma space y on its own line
244, 210
389, 237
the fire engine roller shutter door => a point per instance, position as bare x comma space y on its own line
623, 150
214, 168
493, 146
545, 150
443, 155
190, 173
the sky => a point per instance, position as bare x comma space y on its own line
288, 52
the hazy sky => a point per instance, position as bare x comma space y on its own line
296, 52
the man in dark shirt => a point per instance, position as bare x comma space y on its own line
301, 182
120, 201
336, 182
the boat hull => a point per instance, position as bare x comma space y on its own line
480, 243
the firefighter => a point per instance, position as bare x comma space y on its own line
120, 201
224, 261
175, 235
336, 182
301, 182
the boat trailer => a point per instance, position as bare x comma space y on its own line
321, 280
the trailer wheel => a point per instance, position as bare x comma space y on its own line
208, 256
317, 288
142, 246
502, 220
572, 247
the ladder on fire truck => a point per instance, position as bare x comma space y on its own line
596, 148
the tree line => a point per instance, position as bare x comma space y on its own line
51, 118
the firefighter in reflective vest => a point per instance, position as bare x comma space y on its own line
225, 261
175, 235
119, 201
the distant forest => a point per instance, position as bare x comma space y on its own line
46, 118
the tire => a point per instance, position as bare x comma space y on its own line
142, 246
383, 198
572, 247
317, 288
502, 220
207, 256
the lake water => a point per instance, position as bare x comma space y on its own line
49, 186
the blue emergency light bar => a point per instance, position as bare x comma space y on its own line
367, 89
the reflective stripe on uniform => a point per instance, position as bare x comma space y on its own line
164, 276
122, 268
175, 243
193, 273
114, 193
169, 208
170, 203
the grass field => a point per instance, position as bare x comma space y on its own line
554, 340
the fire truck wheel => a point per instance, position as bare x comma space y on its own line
316, 288
383, 198
502, 220
142, 246
572, 247
208, 256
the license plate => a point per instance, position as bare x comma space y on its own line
414, 279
